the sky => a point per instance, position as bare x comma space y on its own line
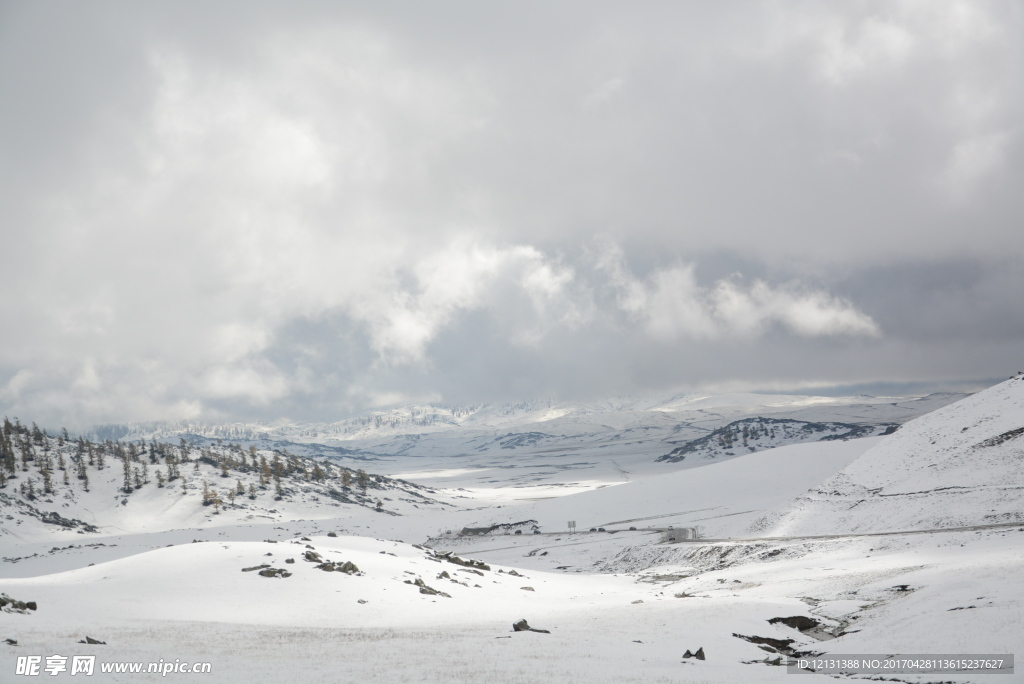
297, 211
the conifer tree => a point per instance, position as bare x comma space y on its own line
126, 486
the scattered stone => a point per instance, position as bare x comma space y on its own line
8, 604
687, 655
274, 572
637, 601
467, 562
637, 641
268, 554
305, 539
11, 642
90, 640
699, 655
514, 573
289, 560
444, 575
424, 589
256, 567
332, 534
527, 588
362, 601
312, 557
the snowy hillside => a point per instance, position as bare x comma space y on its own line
262, 588
57, 483
960, 465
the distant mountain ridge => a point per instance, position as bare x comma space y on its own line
757, 434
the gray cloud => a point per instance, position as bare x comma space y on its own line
253, 210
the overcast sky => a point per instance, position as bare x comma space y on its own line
247, 210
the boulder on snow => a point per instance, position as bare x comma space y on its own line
90, 640
13, 605
274, 572
523, 626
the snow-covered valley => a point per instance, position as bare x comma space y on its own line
910, 542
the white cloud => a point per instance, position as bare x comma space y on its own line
672, 306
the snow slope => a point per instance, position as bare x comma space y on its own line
960, 465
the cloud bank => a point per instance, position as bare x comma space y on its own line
251, 212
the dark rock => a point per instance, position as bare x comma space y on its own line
799, 622
687, 654
527, 588
332, 534
274, 572
11, 642
783, 645
90, 640
348, 567
444, 575
467, 563
312, 557
289, 560
699, 655
523, 626
256, 567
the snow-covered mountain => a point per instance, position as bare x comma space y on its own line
757, 434
650, 426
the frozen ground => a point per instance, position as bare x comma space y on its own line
620, 605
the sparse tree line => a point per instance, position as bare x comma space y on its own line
42, 463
